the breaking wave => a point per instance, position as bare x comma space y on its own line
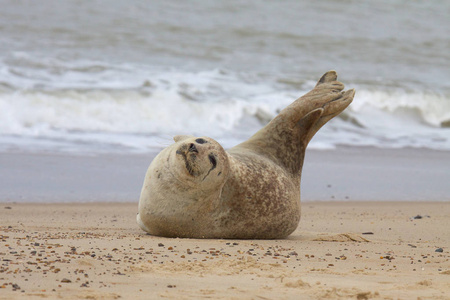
143, 112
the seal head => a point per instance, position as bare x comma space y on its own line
182, 183
199, 161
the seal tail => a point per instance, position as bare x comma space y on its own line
141, 224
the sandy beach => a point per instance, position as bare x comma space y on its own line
67, 230
341, 250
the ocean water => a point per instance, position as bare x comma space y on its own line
124, 77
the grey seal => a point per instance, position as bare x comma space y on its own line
196, 189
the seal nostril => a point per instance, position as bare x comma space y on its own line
192, 148
213, 161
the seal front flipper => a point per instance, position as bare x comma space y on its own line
179, 138
141, 224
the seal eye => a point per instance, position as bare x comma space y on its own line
192, 148
200, 141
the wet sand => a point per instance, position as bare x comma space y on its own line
341, 250
357, 173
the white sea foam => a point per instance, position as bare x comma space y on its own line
226, 106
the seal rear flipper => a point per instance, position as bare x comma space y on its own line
327, 77
331, 110
305, 124
285, 138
